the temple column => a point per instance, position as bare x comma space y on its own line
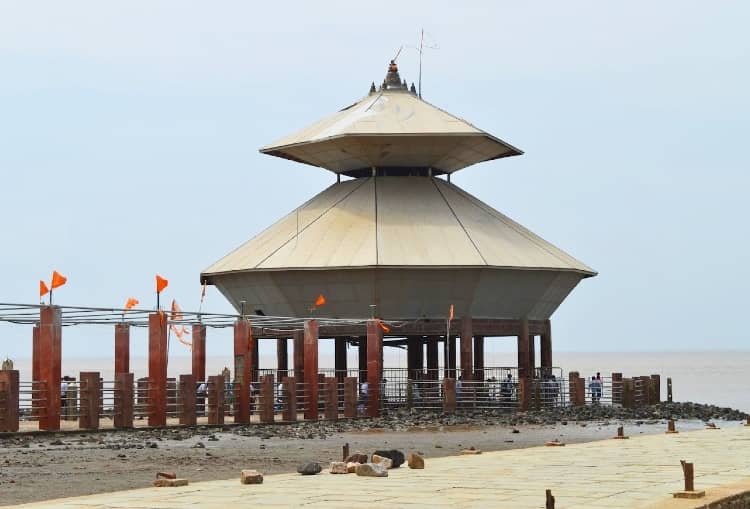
242, 369
50, 357
311, 369
374, 366
413, 357
546, 349
340, 359
157, 369
532, 355
524, 368
451, 364
467, 336
282, 359
479, 357
199, 352
432, 358
362, 358
254, 358
122, 348
298, 343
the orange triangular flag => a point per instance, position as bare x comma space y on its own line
43, 290
58, 279
161, 283
321, 300
384, 326
131, 303
450, 313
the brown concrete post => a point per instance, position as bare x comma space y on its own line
331, 399
266, 399
298, 341
627, 392
122, 348
479, 357
216, 399
254, 357
655, 390
188, 400
581, 391
687, 470
374, 366
340, 358
467, 338
449, 395
37, 397
50, 338
123, 400
617, 388
289, 411
199, 353
242, 370
532, 356
157, 369
311, 369
545, 346
282, 359
9, 389
350, 397
573, 377
669, 389
524, 393
432, 358
362, 358
88, 417
411, 363
524, 367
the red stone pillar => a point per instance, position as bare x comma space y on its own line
50, 357
655, 394
242, 370
479, 357
157, 369
266, 399
254, 357
188, 395
451, 372
524, 368
298, 341
617, 388
123, 400
38, 399
340, 358
432, 358
374, 366
572, 391
289, 412
362, 358
282, 359
545, 345
215, 399
331, 398
199, 352
449, 395
467, 338
122, 348
350, 397
311, 369
91, 396
412, 344
9, 388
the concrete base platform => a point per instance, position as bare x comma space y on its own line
639, 472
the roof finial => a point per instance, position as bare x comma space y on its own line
372, 88
392, 79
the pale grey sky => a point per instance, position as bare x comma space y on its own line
129, 135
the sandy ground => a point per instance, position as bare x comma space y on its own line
50, 466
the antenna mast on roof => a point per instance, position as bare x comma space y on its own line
420, 49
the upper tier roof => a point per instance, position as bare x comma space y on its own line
391, 128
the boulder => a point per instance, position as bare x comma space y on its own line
338, 467
382, 460
414, 460
352, 467
396, 456
371, 470
309, 468
357, 457
170, 483
251, 477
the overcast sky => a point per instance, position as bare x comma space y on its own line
129, 135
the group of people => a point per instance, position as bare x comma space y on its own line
596, 387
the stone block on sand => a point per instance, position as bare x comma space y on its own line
309, 468
357, 457
414, 460
371, 470
338, 467
170, 483
251, 477
380, 460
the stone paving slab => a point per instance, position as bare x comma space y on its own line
613, 473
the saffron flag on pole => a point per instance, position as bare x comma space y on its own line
131, 303
383, 326
180, 331
161, 283
450, 313
321, 300
43, 289
57, 279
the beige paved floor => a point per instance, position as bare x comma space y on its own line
606, 474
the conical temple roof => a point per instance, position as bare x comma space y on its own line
391, 128
419, 222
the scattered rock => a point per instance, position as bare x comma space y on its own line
415, 461
382, 460
170, 483
352, 467
309, 468
56, 442
471, 451
199, 445
357, 457
397, 457
338, 467
371, 470
251, 477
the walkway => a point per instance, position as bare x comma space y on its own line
596, 475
